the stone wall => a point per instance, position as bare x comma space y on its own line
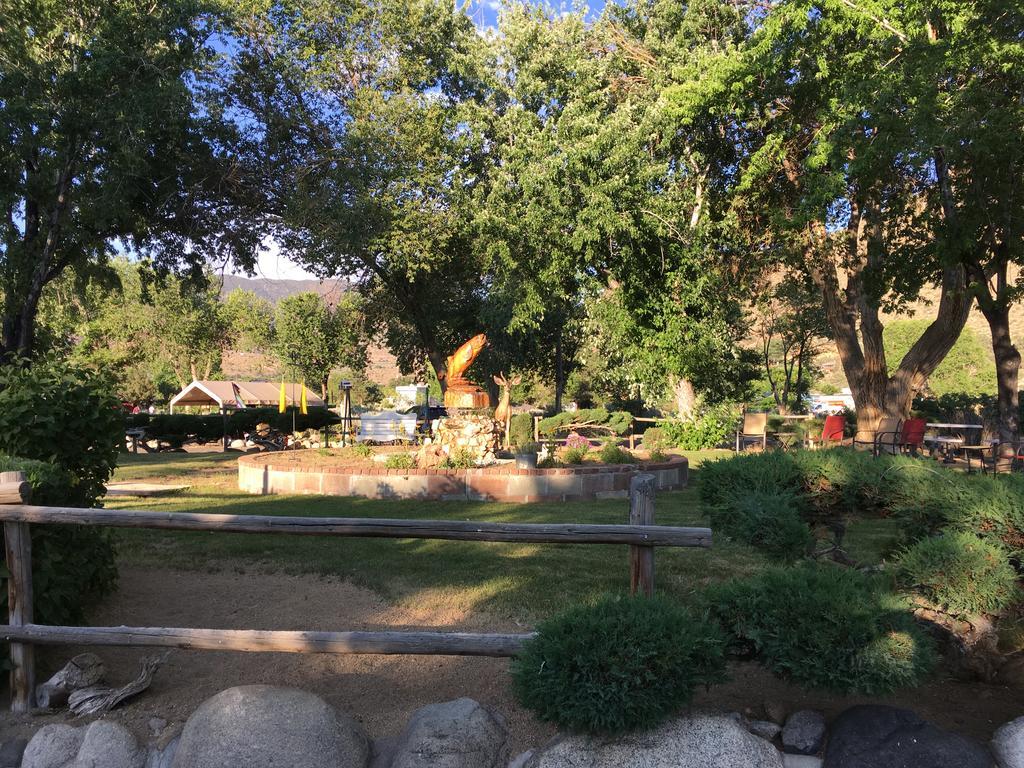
476, 435
258, 474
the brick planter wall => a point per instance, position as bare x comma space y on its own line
258, 474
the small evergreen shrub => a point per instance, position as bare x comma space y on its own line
520, 430
657, 456
400, 461
767, 520
825, 627
612, 454
600, 419
575, 455
617, 665
770, 472
960, 573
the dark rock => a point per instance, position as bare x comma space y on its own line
766, 729
876, 736
11, 752
804, 733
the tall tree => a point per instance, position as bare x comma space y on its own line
311, 338
104, 144
358, 133
834, 104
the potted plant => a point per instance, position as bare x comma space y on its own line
526, 455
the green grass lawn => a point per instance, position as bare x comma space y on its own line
518, 581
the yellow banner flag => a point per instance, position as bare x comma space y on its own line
303, 405
282, 400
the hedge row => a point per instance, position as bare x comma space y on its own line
208, 427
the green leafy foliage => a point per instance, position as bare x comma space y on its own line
610, 453
459, 459
587, 419
520, 431
362, 450
655, 439
709, 430
575, 455
617, 665
825, 627
960, 573
64, 415
400, 461
209, 427
967, 369
768, 520
72, 565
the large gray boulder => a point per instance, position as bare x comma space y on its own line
876, 736
700, 741
101, 744
264, 726
455, 734
1008, 744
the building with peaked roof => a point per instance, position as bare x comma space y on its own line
225, 395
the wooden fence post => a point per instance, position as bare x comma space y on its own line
641, 512
18, 544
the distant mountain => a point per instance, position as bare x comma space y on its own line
275, 290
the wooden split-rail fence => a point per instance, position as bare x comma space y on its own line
641, 535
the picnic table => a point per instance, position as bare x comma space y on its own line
949, 444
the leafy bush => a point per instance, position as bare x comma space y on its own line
655, 440
612, 454
616, 422
61, 414
362, 450
210, 426
769, 472
712, 428
72, 565
657, 456
459, 459
520, 431
960, 573
575, 455
825, 627
400, 461
620, 664
767, 520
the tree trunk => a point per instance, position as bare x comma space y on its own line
440, 365
686, 398
1007, 370
559, 370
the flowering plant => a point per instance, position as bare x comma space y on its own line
576, 440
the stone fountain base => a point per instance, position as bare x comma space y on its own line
472, 434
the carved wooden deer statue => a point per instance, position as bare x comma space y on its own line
503, 412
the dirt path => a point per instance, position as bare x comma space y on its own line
382, 691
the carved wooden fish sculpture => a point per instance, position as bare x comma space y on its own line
464, 356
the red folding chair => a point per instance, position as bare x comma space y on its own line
831, 434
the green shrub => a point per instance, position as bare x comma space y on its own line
610, 453
657, 456
400, 461
617, 665
770, 472
655, 440
362, 450
72, 565
520, 431
575, 455
767, 520
960, 573
459, 459
616, 422
709, 430
56, 412
825, 627
208, 427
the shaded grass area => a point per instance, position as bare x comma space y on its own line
517, 581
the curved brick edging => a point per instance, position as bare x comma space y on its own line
257, 474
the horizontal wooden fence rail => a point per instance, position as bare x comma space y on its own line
23, 634
272, 641
457, 530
